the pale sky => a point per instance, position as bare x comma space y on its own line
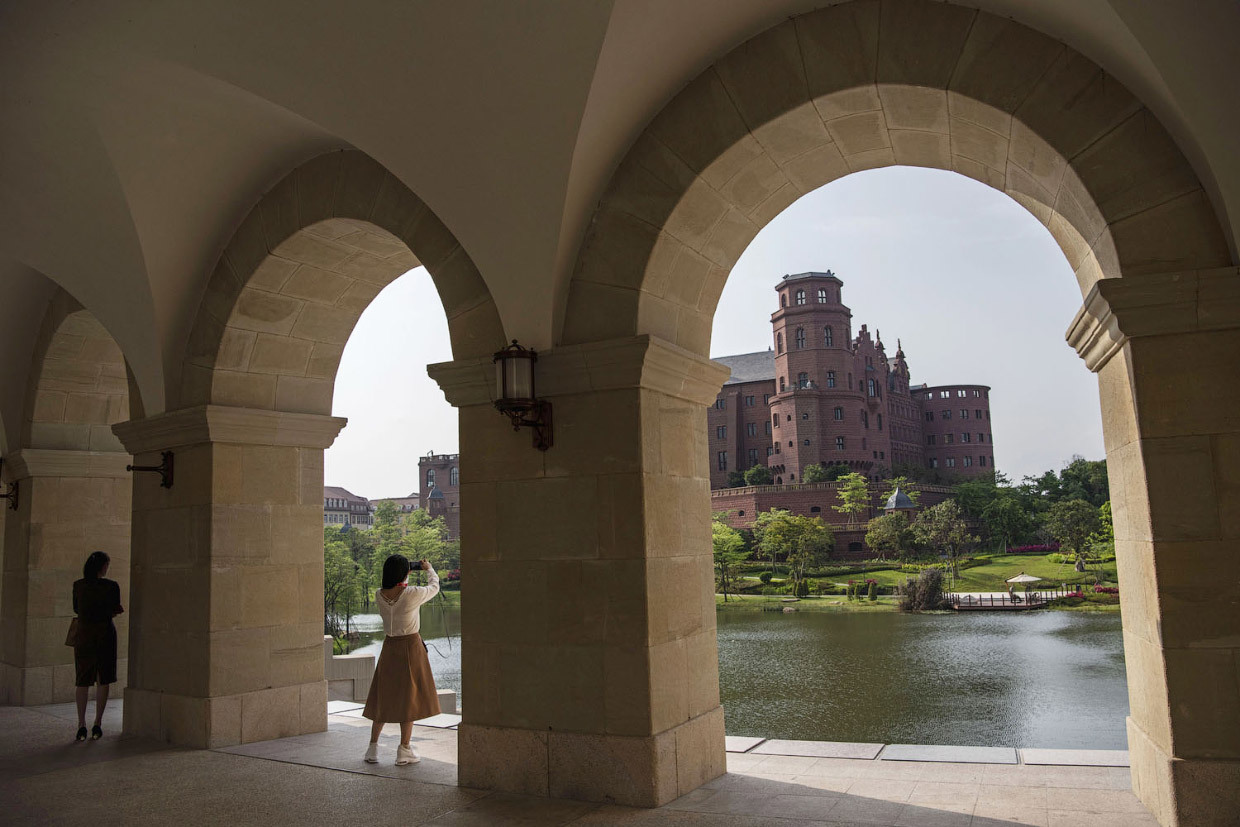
972, 284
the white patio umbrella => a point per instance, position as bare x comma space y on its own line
1023, 578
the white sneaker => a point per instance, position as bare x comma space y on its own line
406, 755
372, 754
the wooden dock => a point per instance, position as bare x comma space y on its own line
990, 603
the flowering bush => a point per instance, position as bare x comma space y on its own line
1106, 590
1080, 595
455, 574
1036, 549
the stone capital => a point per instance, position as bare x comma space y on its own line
47, 462
644, 361
219, 423
1159, 304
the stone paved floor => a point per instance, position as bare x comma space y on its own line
46, 778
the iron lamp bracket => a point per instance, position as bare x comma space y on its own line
164, 469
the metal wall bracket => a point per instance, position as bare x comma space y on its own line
164, 469
11, 494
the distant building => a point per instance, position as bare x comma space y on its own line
440, 485
825, 396
404, 505
341, 507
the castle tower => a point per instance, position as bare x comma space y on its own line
814, 362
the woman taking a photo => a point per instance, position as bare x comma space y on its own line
403, 689
96, 600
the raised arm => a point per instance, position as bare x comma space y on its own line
421, 594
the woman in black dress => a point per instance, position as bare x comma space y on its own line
96, 600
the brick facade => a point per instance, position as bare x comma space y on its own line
823, 395
439, 488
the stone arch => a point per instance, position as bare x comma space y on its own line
300, 270
75, 498
874, 83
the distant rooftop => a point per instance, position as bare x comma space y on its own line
340, 493
749, 367
812, 274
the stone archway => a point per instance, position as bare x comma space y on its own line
237, 655
74, 498
880, 82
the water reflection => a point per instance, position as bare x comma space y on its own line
1047, 679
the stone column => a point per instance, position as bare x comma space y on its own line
70, 503
1167, 352
589, 657
226, 641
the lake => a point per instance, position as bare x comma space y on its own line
1027, 679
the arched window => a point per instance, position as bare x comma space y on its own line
430, 477
800, 338
783, 385
802, 380
828, 336
454, 476
815, 509
783, 299
779, 480
800, 297
870, 389
822, 295
779, 343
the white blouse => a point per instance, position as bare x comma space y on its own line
400, 616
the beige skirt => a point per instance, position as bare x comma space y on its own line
403, 688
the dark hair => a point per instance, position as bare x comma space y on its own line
94, 565
395, 569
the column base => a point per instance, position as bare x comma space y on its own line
38, 685
227, 720
1183, 791
637, 771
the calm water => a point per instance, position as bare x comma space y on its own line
1036, 679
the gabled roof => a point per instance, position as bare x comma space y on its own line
749, 367
343, 493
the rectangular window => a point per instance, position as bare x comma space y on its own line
721, 432
977, 413
766, 398
839, 414
722, 459
964, 413
882, 454
966, 437
870, 388
839, 443
768, 429
951, 462
830, 379
981, 460
968, 461
962, 393
777, 447
934, 463
880, 422
929, 416
753, 457
769, 450
721, 404
751, 428
944, 394
930, 439
945, 415
749, 400
977, 393
981, 437
948, 439
775, 419
865, 419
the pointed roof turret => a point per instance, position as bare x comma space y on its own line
899, 501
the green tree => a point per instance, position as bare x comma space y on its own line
854, 496
1071, 522
835, 471
1005, 519
801, 541
943, 528
341, 583
730, 552
736, 479
890, 534
814, 473
1102, 541
759, 475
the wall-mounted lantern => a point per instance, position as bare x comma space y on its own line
515, 397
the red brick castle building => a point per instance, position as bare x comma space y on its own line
823, 395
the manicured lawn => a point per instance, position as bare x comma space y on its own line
826, 603
991, 576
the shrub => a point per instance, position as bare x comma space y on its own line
765, 577
1106, 590
1034, 549
770, 590
926, 592
1077, 595
873, 590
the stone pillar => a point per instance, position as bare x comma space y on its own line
1167, 352
70, 503
226, 641
589, 658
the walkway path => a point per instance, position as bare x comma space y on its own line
45, 778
